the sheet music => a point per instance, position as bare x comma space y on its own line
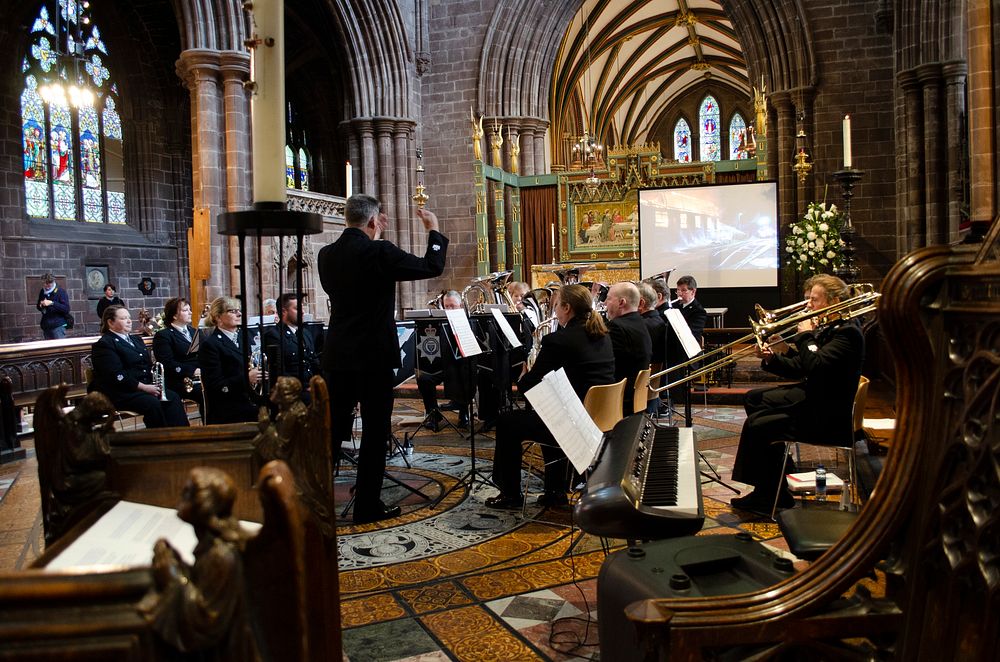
680, 326
125, 535
508, 331
560, 409
466, 339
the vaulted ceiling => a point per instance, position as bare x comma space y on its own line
623, 62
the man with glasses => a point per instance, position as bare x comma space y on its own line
361, 348
226, 379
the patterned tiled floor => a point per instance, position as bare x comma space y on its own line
457, 582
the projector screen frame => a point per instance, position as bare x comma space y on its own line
644, 255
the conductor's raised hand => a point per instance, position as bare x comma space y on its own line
428, 218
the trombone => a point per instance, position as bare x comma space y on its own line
777, 322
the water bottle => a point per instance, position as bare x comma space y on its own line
821, 482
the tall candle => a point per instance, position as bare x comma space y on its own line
349, 174
847, 141
552, 233
267, 107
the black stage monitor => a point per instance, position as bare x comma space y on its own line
725, 235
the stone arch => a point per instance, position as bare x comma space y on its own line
219, 25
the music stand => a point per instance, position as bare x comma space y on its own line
447, 351
474, 475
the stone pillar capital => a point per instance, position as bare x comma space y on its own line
234, 64
197, 65
929, 72
363, 126
384, 125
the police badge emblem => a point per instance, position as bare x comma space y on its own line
430, 344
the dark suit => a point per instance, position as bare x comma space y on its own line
361, 347
119, 366
588, 362
224, 378
170, 348
817, 409
281, 344
633, 350
656, 326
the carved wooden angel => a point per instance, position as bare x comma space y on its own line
496, 142
477, 136
72, 450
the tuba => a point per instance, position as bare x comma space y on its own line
544, 328
159, 380
258, 360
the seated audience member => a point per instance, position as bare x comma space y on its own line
827, 362
582, 347
629, 337
225, 376
176, 347
271, 311
123, 372
281, 343
427, 382
110, 298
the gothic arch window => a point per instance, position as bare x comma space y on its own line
297, 160
70, 128
682, 141
737, 137
708, 129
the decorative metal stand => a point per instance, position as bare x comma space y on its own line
848, 271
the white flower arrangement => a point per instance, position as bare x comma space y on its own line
813, 244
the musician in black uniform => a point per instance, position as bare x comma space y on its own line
582, 347
662, 294
827, 361
656, 326
225, 376
427, 381
360, 274
629, 338
694, 313
176, 347
281, 343
122, 372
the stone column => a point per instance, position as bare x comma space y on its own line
933, 150
405, 182
984, 143
199, 68
784, 140
365, 168
527, 147
954, 99
539, 148
385, 159
915, 229
235, 69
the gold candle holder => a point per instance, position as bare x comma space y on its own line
801, 165
420, 197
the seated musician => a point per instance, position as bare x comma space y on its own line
583, 348
122, 372
694, 313
629, 339
281, 344
427, 382
662, 294
176, 347
656, 326
518, 291
225, 377
827, 360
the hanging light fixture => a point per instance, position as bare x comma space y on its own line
68, 85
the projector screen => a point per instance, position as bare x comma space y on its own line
724, 235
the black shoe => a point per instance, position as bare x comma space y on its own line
761, 504
501, 502
383, 512
552, 499
453, 406
488, 425
433, 420
463, 421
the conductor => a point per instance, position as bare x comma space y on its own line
361, 348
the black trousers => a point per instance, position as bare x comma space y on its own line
513, 428
372, 389
773, 415
155, 412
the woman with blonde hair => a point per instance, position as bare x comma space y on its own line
225, 376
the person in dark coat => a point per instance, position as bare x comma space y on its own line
110, 298
827, 361
225, 377
656, 326
176, 346
694, 313
582, 347
282, 346
122, 372
629, 338
53, 303
360, 273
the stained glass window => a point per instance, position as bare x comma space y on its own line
289, 167
708, 129
682, 141
303, 169
74, 167
737, 137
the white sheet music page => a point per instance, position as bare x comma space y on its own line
560, 409
505, 327
680, 326
125, 536
460, 327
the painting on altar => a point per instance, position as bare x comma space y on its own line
606, 229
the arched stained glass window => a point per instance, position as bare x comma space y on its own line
303, 169
289, 167
298, 163
682, 141
71, 131
708, 131
737, 137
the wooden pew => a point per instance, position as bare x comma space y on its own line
85, 468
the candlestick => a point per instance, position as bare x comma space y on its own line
268, 102
420, 197
552, 235
349, 175
847, 142
848, 271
